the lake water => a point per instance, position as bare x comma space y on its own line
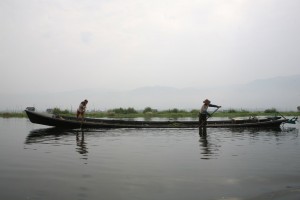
148, 164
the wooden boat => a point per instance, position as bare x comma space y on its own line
73, 123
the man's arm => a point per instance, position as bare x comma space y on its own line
212, 105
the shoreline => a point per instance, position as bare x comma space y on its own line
160, 114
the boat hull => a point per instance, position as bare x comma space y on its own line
73, 123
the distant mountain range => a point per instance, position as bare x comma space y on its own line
282, 93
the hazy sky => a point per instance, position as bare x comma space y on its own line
60, 45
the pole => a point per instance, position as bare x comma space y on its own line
209, 116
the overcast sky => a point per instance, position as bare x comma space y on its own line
61, 45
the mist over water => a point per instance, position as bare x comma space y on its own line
281, 93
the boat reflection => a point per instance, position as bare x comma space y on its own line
211, 139
59, 137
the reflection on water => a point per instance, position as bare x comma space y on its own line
210, 140
147, 164
59, 137
47, 135
208, 149
81, 145
164, 163
288, 193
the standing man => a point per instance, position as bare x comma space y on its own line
81, 109
203, 114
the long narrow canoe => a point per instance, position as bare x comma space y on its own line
73, 123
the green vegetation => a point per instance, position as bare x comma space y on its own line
12, 114
57, 111
272, 110
149, 112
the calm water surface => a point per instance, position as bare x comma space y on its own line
44, 163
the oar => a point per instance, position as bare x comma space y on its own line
281, 115
209, 117
289, 121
